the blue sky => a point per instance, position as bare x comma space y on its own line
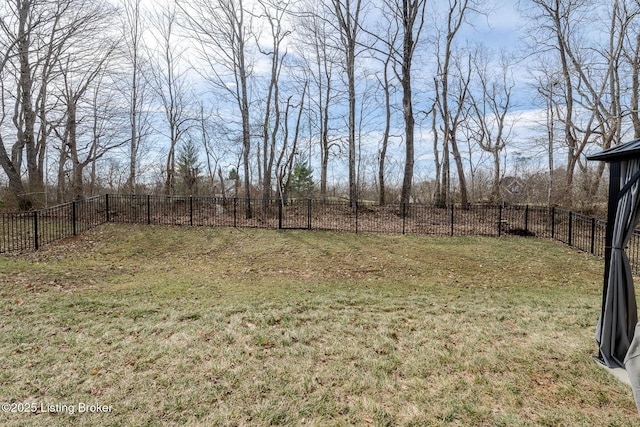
500, 29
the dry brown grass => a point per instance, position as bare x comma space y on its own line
183, 326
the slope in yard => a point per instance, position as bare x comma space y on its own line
204, 326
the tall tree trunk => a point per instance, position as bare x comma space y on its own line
462, 181
134, 21
325, 145
78, 167
63, 154
15, 183
382, 193
409, 123
271, 125
495, 186
412, 14
169, 184
26, 130
349, 22
445, 194
353, 189
246, 137
437, 191
133, 149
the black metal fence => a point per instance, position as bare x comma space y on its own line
26, 231
23, 231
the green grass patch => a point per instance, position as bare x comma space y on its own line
204, 326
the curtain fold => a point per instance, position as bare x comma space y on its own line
617, 322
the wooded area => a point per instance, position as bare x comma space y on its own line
389, 101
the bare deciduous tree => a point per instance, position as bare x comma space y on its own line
81, 70
412, 23
78, 78
169, 83
320, 59
284, 163
347, 14
133, 30
13, 172
274, 12
405, 20
222, 33
590, 88
490, 108
39, 36
450, 104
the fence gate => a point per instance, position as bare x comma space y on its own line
294, 214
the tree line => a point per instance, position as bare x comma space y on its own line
388, 94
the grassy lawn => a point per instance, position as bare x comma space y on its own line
204, 327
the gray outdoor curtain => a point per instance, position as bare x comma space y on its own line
619, 316
632, 365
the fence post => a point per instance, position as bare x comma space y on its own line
106, 205
570, 228
191, 211
279, 214
309, 214
553, 223
35, 229
526, 220
593, 236
452, 217
74, 217
500, 221
235, 212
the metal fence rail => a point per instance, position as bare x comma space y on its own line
17, 233
24, 231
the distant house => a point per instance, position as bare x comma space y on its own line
254, 193
226, 188
513, 189
231, 188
